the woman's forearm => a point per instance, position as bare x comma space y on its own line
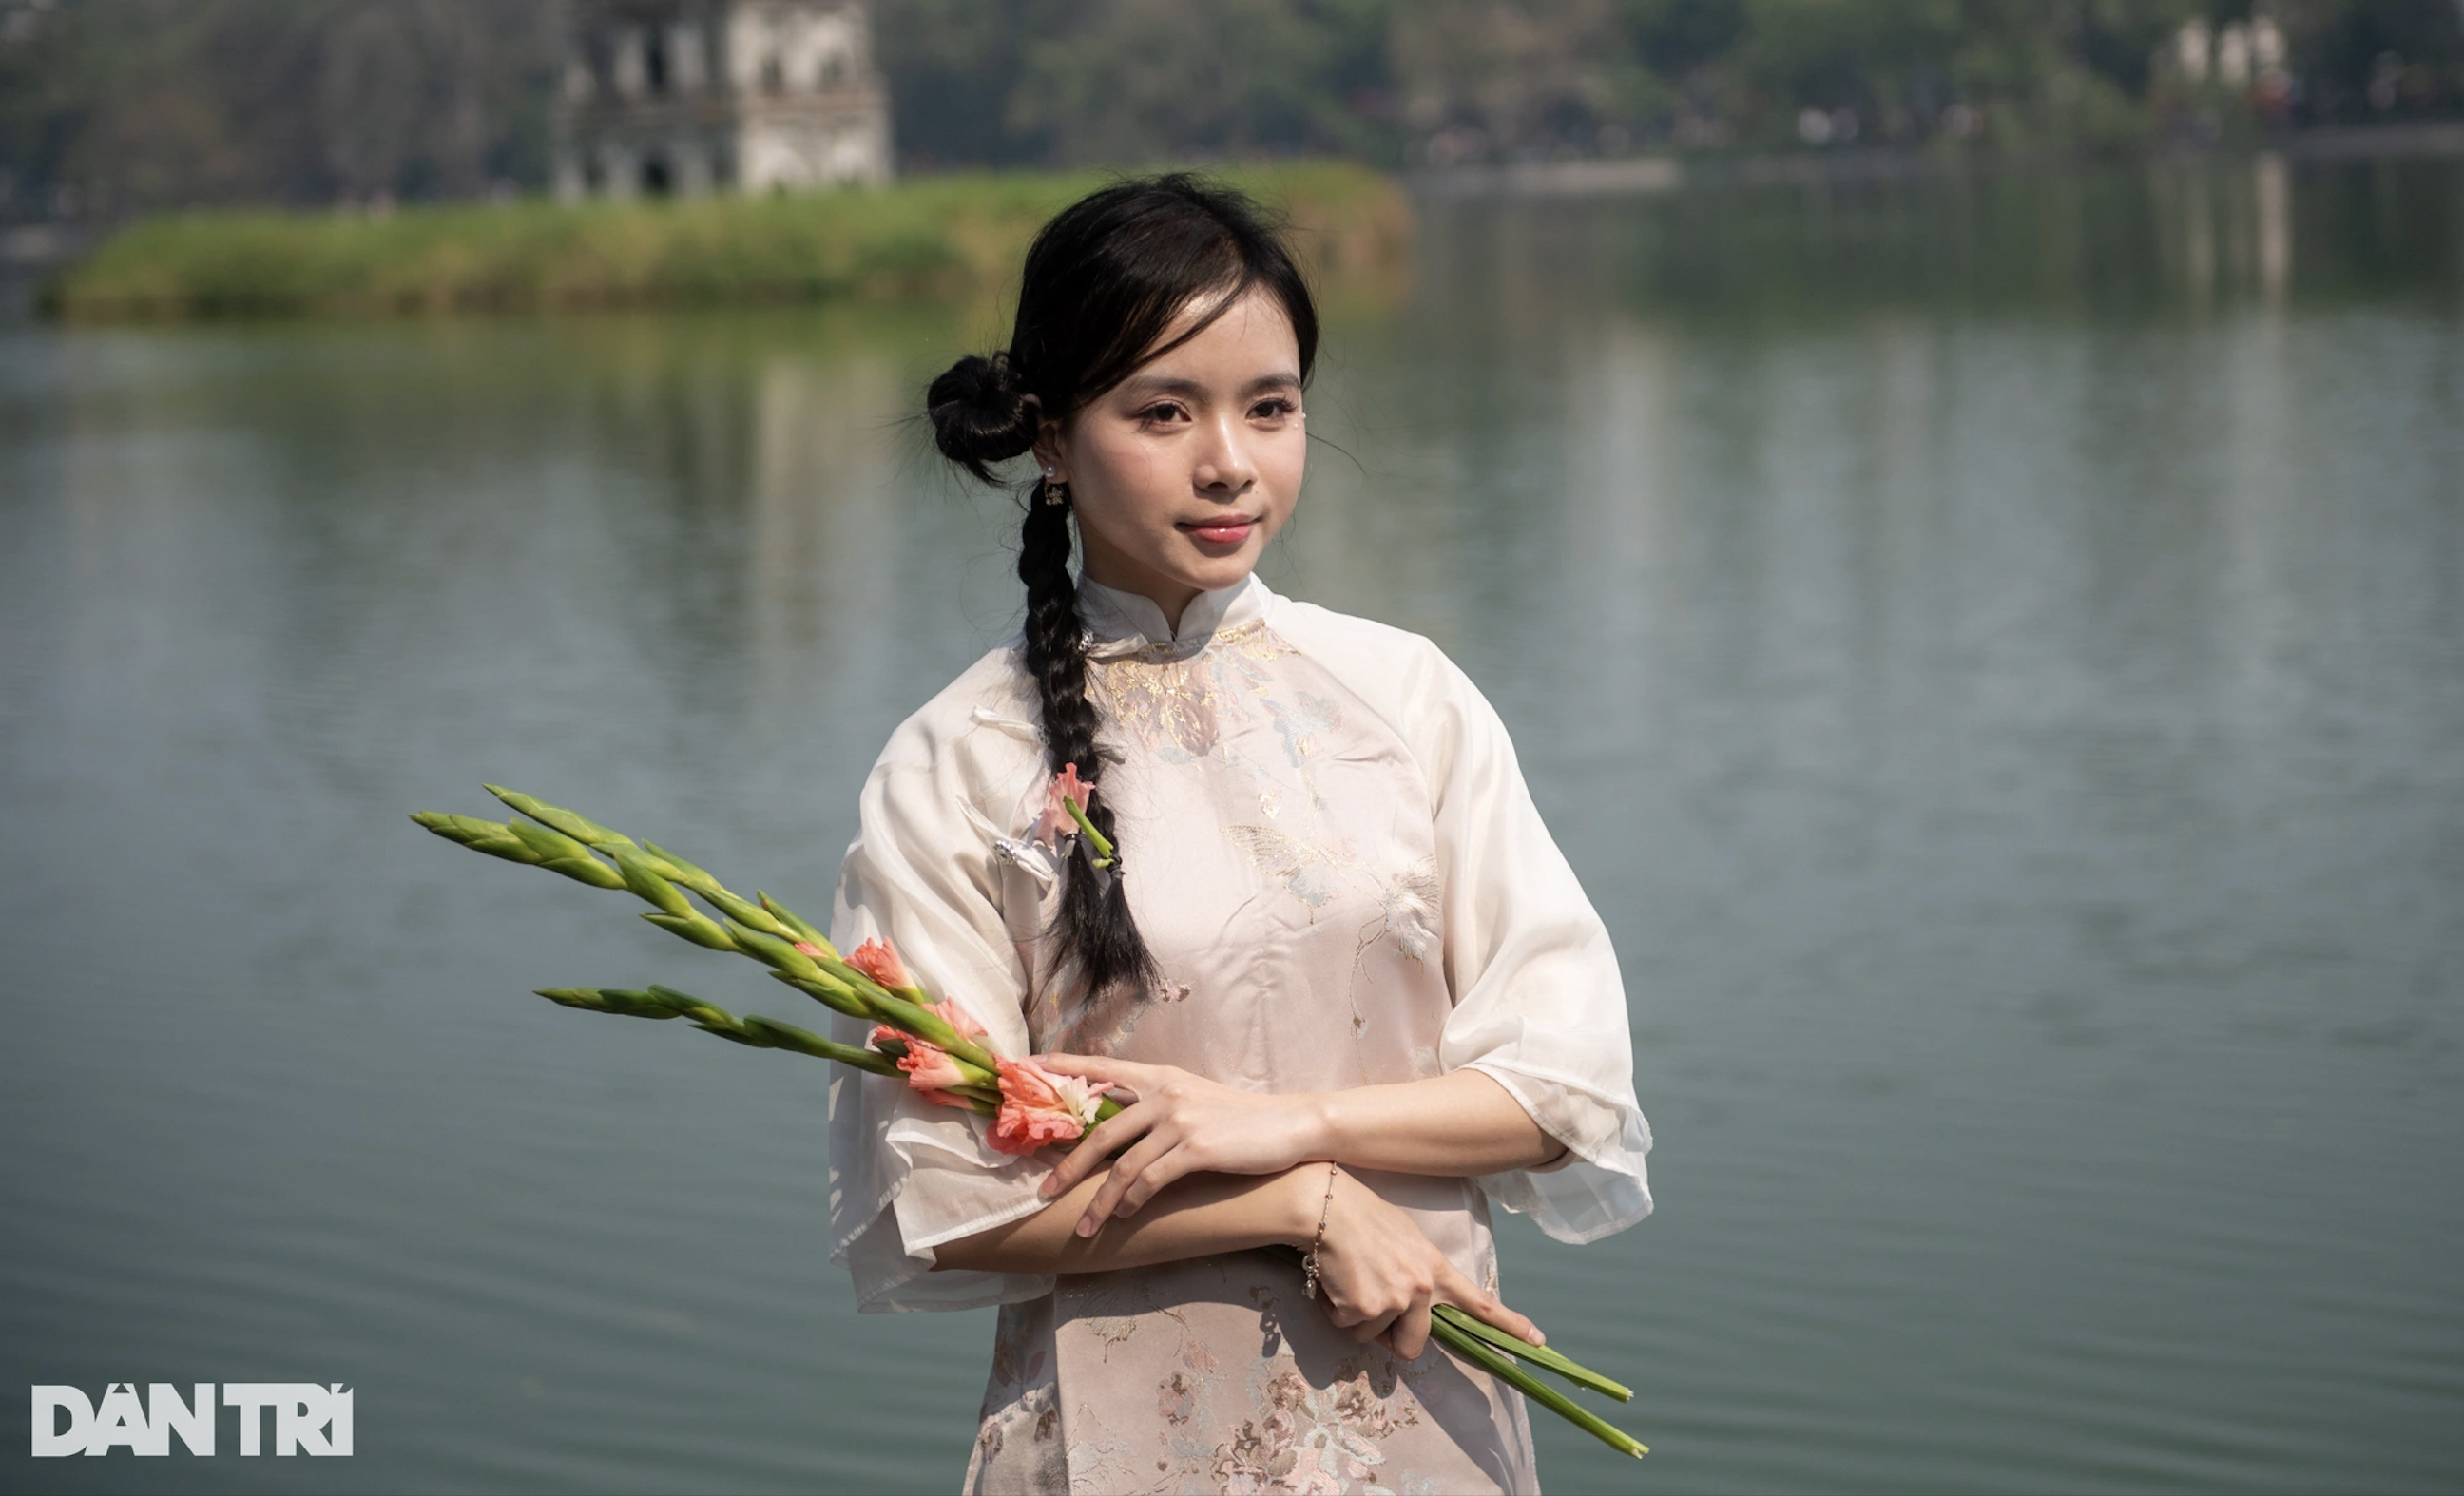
1182, 1126
1194, 1217
1462, 1123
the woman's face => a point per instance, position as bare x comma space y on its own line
1182, 472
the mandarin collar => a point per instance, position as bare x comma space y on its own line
1119, 621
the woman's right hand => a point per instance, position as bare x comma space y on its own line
1379, 1276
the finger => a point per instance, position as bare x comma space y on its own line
1370, 1330
1487, 1308
1410, 1334
1176, 1164
1126, 1170
1100, 1142
1100, 1068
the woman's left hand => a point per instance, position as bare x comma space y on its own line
1180, 1124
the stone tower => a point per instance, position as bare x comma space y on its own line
678, 98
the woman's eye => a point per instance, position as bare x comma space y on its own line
1274, 409
1164, 411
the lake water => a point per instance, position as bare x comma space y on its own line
1993, 652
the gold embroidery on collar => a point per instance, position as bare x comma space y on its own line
1174, 693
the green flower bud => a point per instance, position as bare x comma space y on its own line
558, 852
580, 829
747, 913
776, 952
492, 837
803, 927
652, 888
699, 928
681, 870
829, 992
608, 999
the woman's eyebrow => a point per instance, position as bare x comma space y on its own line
1141, 386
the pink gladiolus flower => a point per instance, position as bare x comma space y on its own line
809, 948
928, 1067
959, 1018
1038, 1107
1056, 821
878, 960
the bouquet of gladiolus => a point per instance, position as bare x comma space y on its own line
936, 1048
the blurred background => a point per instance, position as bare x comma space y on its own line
1958, 502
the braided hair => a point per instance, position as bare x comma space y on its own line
1104, 282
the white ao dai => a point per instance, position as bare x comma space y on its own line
1332, 852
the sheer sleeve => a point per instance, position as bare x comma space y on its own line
907, 1175
1538, 1002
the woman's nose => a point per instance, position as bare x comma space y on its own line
1224, 461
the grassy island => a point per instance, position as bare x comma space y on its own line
932, 237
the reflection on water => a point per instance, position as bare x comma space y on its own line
1992, 651
2164, 240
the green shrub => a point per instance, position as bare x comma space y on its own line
932, 237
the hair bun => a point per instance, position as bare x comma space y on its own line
979, 413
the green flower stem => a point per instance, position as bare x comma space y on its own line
756, 1032
1481, 1353
1542, 1357
1102, 843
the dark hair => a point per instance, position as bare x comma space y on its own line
1104, 282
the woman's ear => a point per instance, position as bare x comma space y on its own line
1049, 457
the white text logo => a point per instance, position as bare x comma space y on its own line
306, 1417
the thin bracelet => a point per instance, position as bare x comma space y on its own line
1308, 1264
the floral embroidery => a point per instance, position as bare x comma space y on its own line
1309, 872
1412, 910
1307, 1441
1179, 1398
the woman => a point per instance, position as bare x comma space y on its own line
1324, 938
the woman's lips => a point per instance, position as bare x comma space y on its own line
1229, 531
